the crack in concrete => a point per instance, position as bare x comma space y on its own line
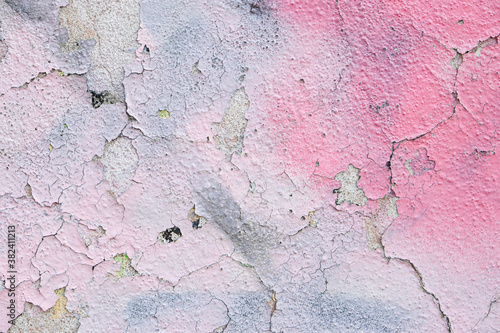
422, 286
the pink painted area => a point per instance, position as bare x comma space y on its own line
384, 80
455, 24
400, 86
451, 210
447, 222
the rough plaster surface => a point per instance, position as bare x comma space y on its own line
250, 166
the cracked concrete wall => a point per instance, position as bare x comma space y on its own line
250, 166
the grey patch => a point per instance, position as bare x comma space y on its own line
338, 313
4, 49
357, 315
141, 309
248, 312
33, 9
256, 8
201, 59
170, 235
248, 237
174, 86
76, 61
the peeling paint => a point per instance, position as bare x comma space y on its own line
168, 165
349, 192
114, 27
90, 236
196, 220
126, 269
170, 235
163, 114
231, 129
55, 319
376, 224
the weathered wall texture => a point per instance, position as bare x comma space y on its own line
251, 166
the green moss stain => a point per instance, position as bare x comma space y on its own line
163, 114
126, 269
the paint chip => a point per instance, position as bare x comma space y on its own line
349, 191
312, 222
90, 236
126, 269
163, 114
376, 224
196, 220
170, 235
230, 131
420, 163
56, 319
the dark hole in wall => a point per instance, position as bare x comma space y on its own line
196, 223
100, 98
170, 235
